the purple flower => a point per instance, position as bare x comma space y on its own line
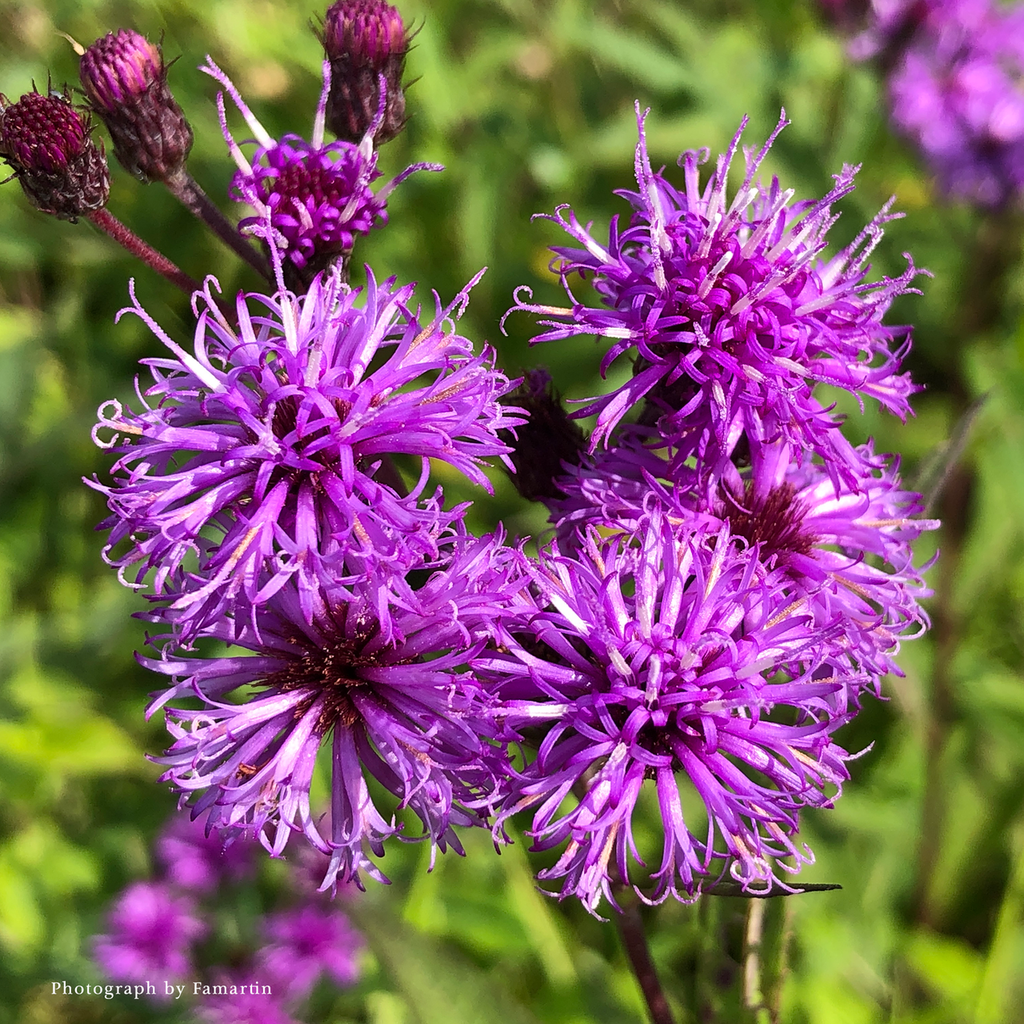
957, 92
662, 652
242, 998
151, 933
311, 199
198, 862
305, 943
882, 27
266, 454
847, 551
731, 311
403, 710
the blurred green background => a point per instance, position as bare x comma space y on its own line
529, 103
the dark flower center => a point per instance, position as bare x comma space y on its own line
332, 673
776, 523
308, 179
652, 738
285, 423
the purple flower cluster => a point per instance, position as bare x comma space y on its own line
729, 576
152, 929
956, 82
156, 925
272, 492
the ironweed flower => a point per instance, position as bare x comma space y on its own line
365, 42
847, 551
670, 651
730, 309
48, 144
265, 454
124, 77
403, 710
152, 929
311, 198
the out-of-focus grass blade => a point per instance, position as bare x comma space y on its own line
935, 469
441, 986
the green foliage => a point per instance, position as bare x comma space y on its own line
530, 104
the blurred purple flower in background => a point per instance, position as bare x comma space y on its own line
195, 861
242, 997
958, 92
152, 929
306, 942
956, 83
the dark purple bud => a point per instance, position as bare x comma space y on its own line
545, 443
364, 39
124, 77
46, 142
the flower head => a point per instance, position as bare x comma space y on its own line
403, 710
670, 651
365, 42
731, 311
266, 454
846, 550
311, 198
48, 145
124, 77
151, 933
242, 997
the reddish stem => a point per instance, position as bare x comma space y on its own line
190, 194
123, 235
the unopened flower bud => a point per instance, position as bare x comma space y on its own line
47, 144
364, 39
545, 443
124, 77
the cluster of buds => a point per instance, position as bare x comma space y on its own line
311, 199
